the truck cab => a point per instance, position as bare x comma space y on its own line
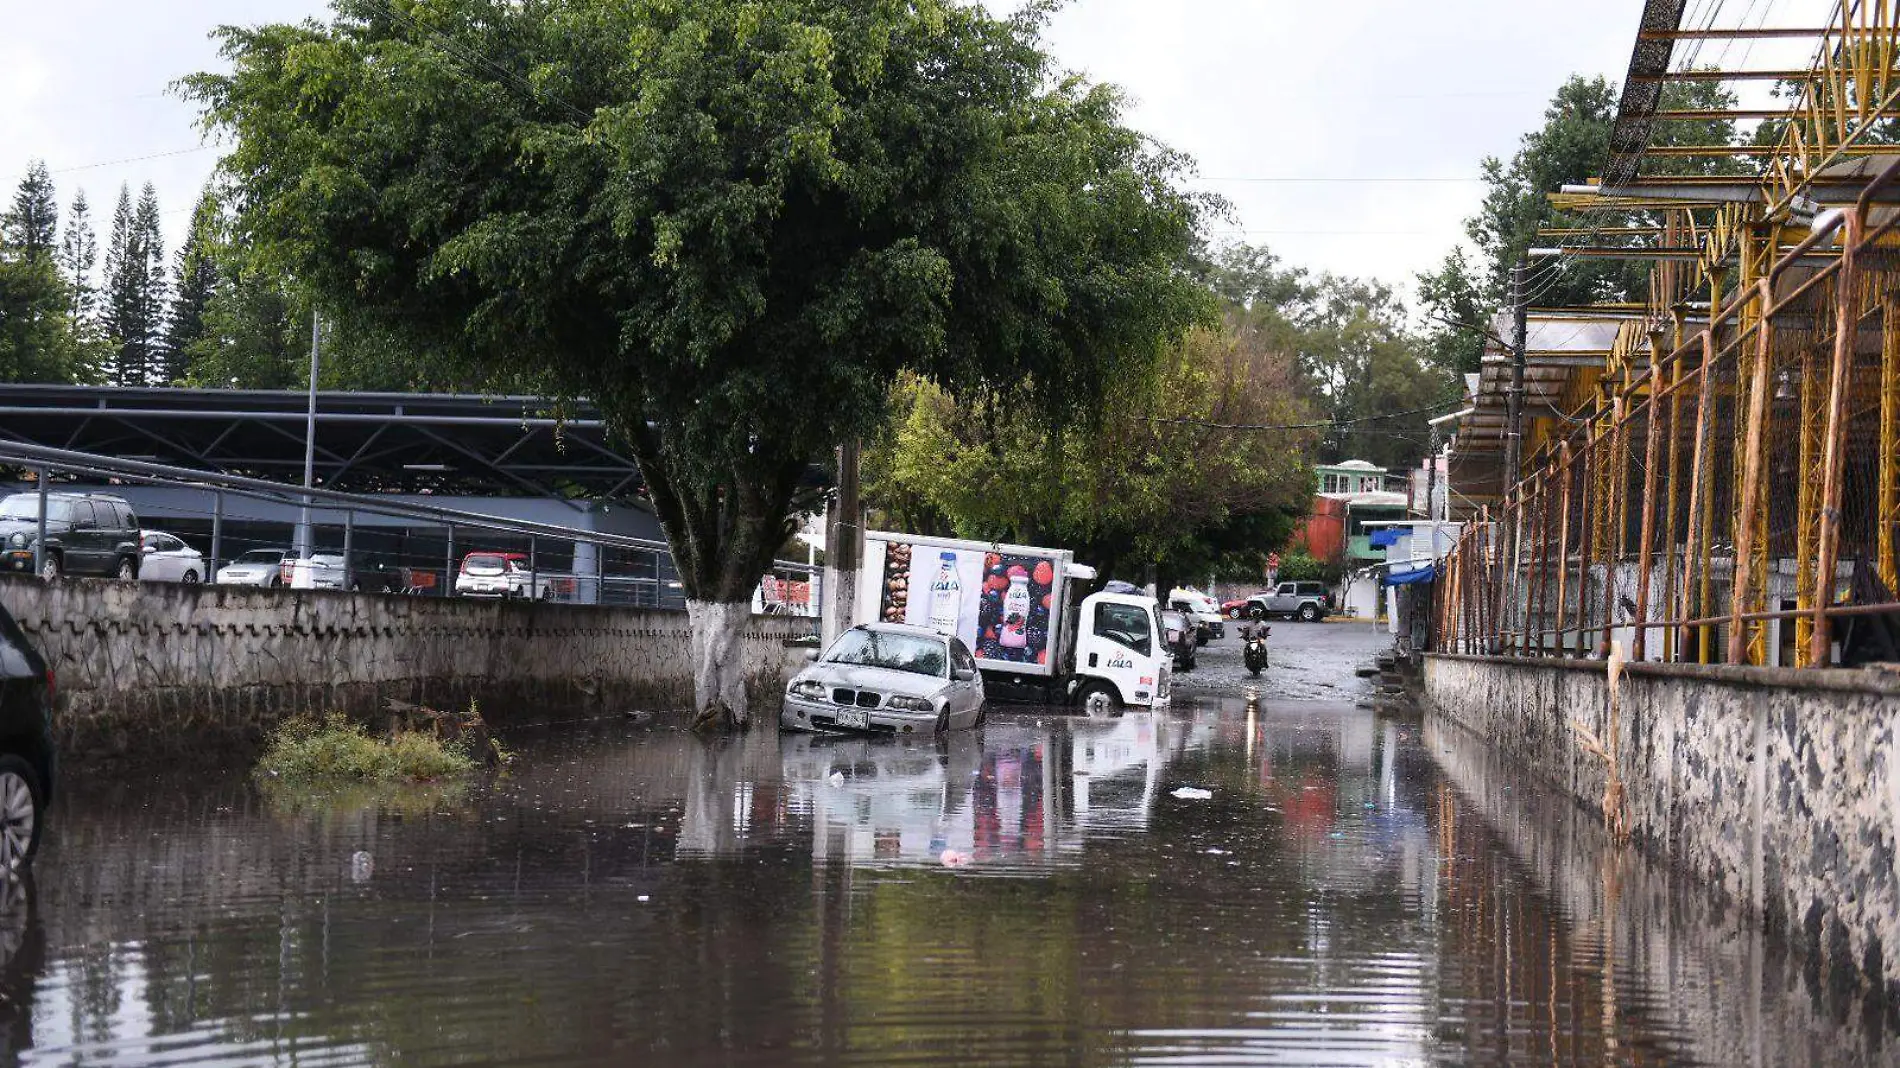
1121, 657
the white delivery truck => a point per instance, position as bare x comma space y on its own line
1026, 615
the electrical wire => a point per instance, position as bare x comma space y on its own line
1330, 424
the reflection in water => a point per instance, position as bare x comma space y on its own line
1032, 893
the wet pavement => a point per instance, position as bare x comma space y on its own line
1352, 891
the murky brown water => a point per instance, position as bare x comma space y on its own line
1037, 895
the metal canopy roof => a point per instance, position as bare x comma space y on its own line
365, 442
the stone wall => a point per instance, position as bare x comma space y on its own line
1778, 788
155, 670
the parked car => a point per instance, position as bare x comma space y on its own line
169, 559
492, 574
376, 573
887, 677
258, 567
1309, 602
86, 534
1181, 636
28, 761
1238, 607
318, 571
1202, 609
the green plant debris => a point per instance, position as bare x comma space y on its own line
334, 750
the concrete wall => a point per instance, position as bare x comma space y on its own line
147, 669
1778, 788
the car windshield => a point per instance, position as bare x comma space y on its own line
262, 556
887, 649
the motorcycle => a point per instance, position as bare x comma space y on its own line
1254, 652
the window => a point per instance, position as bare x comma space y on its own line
128, 521
1125, 624
1288, 589
960, 656
83, 515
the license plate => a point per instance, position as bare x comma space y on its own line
854, 717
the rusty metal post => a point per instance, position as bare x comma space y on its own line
1887, 517
1563, 551
1646, 540
1695, 564
1746, 585
1834, 450
1587, 536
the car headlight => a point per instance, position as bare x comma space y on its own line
910, 704
810, 689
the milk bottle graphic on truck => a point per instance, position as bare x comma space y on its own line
946, 596
1014, 633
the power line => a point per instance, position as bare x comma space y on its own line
1316, 179
131, 159
1330, 424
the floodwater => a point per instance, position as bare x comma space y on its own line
1353, 892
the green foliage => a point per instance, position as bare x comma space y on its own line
730, 225
30, 227
134, 292
37, 342
1302, 566
1354, 353
308, 750
194, 280
1150, 484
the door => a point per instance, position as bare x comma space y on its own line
160, 560
966, 696
1123, 646
83, 555
1285, 599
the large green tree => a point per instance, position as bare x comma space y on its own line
31, 225
730, 224
1168, 482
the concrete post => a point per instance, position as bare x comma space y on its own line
349, 549
448, 570
39, 546
844, 549
217, 534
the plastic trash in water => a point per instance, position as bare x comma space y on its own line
1192, 793
836, 778
953, 859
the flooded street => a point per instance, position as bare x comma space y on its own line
1353, 891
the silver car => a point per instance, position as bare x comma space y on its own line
890, 679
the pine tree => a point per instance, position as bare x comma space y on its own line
31, 226
194, 282
155, 283
126, 283
78, 254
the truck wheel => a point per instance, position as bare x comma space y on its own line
1256, 611
1309, 613
128, 570
21, 803
1099, 699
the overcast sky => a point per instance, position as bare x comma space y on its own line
1315, 119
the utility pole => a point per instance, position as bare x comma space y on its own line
309, 445
844, 548
1514, 411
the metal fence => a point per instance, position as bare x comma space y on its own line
385, 544
1730, 493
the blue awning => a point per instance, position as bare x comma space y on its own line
1388, 536
1416, 575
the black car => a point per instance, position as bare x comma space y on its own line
86, 534
27, 760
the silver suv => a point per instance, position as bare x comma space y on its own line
1309, 602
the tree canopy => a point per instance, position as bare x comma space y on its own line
730, 225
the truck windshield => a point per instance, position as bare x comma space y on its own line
899, 652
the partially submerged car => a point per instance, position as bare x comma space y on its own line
887, 678
28, 764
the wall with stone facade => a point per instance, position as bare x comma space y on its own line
1778, 788
149, 669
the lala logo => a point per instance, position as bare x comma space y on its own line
1120, 662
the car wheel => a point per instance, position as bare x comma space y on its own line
190, 578
128, 570
1099, 699
21, 802
50, 568
277, 582
1234, 613
1309, 613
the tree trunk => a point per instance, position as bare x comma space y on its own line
719, 696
